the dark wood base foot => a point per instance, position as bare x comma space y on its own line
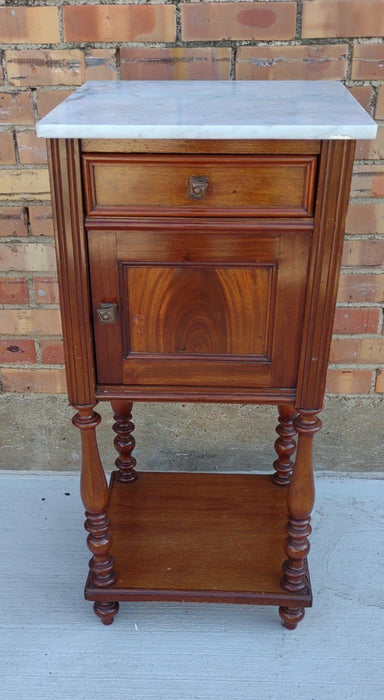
291, 616
106, 611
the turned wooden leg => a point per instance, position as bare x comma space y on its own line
285, 445
94, 494
301, 497
124, 441
106, 611
291, 616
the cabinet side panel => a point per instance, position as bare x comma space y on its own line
334, 182
72, 262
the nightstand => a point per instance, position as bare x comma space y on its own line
199, 230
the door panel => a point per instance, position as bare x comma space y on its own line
211, 307
197, 324
198, 310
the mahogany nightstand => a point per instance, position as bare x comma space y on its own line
199, 231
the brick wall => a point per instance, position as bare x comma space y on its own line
47, 49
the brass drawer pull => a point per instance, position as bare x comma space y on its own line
107, 312
197, 187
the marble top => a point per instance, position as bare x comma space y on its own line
209, 110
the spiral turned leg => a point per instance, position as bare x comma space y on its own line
124, 441
285, 445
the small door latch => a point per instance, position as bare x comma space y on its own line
107, 312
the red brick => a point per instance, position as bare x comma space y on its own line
379, 386
13, 290
16, 350
364, 288
368, 61
100, 64
291, 62
25, 183
119, 23
380, 103
27, 256
363, 253
372, 149
46, 381
363, 94
368, 181
175, 63
7, 150
33, 67
13, 221
52, 352
16, 108
30, 322
49, 99
365, 218
31, 148
357, 350
238, 20
36, 25
349, 381
46, 290
352, 320
342, 18
40, 219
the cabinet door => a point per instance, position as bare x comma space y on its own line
199, 303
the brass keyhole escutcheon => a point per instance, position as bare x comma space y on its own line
107, 312
197, 187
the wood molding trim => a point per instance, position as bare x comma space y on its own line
72, 262
335, 173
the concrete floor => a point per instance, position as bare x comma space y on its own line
37, 434
52, 645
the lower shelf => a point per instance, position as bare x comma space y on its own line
198, 537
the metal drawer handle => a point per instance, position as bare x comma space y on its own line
197, 187
107, 312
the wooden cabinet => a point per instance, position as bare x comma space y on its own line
199, 286
199, 270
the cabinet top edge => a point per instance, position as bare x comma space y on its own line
300, 110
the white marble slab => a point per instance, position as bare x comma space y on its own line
209, 110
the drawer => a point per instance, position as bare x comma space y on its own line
154, 185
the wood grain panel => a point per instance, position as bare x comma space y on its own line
180, 241
198, 325
200, 394
168, 371
198, 537
199, 310
202, 306
236, 146
105, 288
238, 185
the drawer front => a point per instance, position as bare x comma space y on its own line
134, 185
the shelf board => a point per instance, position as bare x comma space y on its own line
198, 537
